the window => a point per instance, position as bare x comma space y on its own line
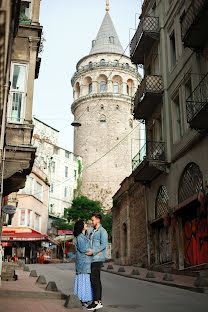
55, 150
102, 119
39, 190
102, 62
115, 63
117, 107
51, 188
75, 175
115, 87
88, 109
25, 12
74, 157
102, 107
90, 88
102, 86
93, 43
29, 214
28, 189
111, 39
173, 48
90, 65
127, 89
22, 217
65, 191
66, 171
17, 93
178, 125
37, 222
127, 66
66, 154
53, 166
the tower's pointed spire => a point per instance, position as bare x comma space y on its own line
107, 40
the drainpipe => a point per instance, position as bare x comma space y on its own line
147, 229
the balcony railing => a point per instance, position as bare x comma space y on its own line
95, 65
196, 105
148, 25
151, 151
190, 19
147, 96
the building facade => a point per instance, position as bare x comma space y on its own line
64, 168
103, 85
171, 44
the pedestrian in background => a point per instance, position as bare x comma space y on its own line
99, 242
82, 285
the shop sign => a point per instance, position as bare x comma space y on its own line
6, 244
9, 209
45, 244
65, 232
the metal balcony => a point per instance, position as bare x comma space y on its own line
194, 24
148, 95
197, 106
149, 163
147, 32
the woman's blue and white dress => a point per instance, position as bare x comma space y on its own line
82, 284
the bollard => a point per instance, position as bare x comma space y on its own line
33, 273
168, 277
110, 267
135, 272
41, 279
26, 268
201, 282
121, 269
150, 275
72, 301
51, 286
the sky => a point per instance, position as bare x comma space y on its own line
69, 28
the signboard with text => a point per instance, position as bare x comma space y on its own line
9, 209
65, 232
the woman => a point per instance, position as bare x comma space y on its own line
82, 285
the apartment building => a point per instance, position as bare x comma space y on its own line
171, 45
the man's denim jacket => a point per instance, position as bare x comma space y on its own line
83, 262
99, 244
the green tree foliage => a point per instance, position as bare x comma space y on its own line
82, 208
62, 224
107, 222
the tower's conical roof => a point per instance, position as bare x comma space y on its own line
107, 40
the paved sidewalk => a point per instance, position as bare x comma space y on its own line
180, 281
26, 296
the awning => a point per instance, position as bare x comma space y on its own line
19, 237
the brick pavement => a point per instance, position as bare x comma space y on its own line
180, 281
26, 296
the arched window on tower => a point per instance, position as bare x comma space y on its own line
130, 87
102, 119
90, 88
115, 63
111, 39
115, 87
127, 66
102, 107
102, 86
102, 62
90, 65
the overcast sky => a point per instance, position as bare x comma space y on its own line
69, 28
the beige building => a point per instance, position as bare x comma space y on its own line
103, 84
171, 44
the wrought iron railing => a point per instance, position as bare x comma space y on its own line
191, 14
198, 99
95, 65
148, 24
150, 151
152, 84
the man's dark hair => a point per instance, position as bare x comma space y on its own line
97, 216
78, 228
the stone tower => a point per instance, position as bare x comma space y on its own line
103, 84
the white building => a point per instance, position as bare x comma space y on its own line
64, 167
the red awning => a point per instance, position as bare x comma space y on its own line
12, 236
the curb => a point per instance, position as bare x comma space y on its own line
31, 294
190, 288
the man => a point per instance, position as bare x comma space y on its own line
99, 242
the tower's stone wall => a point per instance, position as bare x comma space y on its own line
106, 120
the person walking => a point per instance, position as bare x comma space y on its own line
82, 285
99, 242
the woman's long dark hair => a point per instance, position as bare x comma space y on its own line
78, 228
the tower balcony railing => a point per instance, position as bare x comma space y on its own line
148, 95
197, 105
97, 65
147, 32
149, 162
194, 24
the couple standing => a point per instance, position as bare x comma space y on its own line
91, 251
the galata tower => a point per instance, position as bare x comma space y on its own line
107, 136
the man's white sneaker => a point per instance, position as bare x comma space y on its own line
99, 306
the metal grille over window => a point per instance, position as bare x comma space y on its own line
191, 182
161, 205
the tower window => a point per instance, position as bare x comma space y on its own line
117, 107
93, 43
102, 86
102, 62
88, 109
102, 107
90, 88
102, 119
115, 87
90, 65
115, 63
111, 39
127, 66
